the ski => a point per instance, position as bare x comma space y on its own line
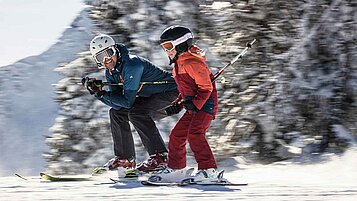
99, 171
129, 176
191, 181
52, 178
128, 173
219, 183
20, 176
151, 183
126, 180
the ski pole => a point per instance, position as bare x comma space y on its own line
238, 57
145, 83
100, 83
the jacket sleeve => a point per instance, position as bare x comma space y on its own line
111, 89
132, 73
201, 74
116, 100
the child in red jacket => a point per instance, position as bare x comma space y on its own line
198, 96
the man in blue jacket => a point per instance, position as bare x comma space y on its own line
132, 101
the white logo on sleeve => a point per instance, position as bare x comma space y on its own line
131, 77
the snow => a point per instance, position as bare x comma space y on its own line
343, 133
221, 5
335, 179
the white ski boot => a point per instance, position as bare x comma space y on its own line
170, 175
206, 176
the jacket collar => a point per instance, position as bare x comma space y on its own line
193, 53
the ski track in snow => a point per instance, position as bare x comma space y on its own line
333, 180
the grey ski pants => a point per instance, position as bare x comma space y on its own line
142, 115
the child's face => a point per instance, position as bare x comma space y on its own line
171, 53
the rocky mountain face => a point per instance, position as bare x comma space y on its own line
293, 95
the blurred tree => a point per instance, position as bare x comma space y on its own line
293, 94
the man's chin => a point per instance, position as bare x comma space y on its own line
109, 66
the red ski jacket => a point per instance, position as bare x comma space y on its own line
193, 79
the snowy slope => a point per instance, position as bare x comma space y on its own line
27, 107
333, 180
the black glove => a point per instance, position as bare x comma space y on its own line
189, 105
100, 94
175, 108
93, 86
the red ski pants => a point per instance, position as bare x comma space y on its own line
192, 126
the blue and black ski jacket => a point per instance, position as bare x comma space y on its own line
131, 70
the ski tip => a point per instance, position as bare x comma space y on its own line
43, 174
18, 175
99, 171
114, 180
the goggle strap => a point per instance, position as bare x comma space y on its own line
178, 40
182, 39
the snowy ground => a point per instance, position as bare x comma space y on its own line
332, 180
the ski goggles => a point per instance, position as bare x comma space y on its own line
170, 45
106, 53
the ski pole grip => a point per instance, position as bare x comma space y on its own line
98, 83
249, 45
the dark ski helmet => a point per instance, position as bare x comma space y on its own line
178, 37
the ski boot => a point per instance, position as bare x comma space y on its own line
169, 175
206, 176
116, 163
155, 163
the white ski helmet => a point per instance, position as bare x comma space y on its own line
100, 43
